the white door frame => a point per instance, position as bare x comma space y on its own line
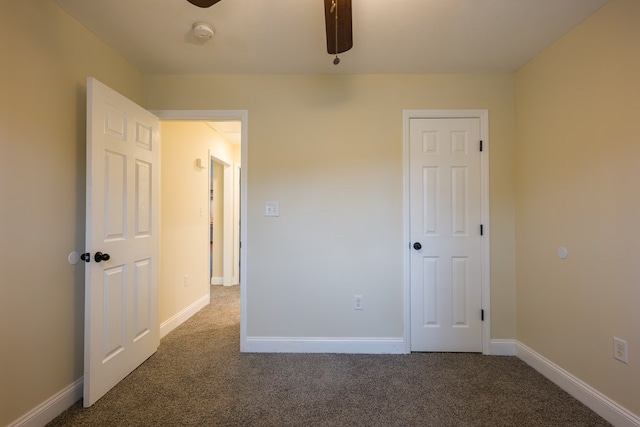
483, 116
243, 117
228, 220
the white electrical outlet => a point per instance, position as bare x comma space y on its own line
620, 350
186, 280
358, 302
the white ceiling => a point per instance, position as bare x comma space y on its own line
230, 130
288, 36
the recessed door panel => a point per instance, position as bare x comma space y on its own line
459, 200
113, 327
430, 143
142, 299
115, 201
430, 291
430, 197
144, 136
143, 198
115, 122
459, 289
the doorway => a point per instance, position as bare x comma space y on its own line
224, 188
224, 222
235, 197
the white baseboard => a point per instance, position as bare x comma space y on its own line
181, 317
592, 398
217, 280
502, 348
52, 407
324, 345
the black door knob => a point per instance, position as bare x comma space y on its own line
417, 246
99, 256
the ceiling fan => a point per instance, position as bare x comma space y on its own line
203, 3
337, 16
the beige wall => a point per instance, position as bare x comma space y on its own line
185, 212
578, 149
46, 58
329, 149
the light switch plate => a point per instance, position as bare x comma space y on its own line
272, 209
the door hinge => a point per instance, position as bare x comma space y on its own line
480, 145
481, 230
482, 315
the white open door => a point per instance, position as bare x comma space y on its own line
122, 239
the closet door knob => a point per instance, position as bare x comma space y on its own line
99, 256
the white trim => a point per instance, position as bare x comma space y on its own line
235, 268
592, 398
243, 116
324, 345
483, 115
406, 229
209, 115
52, 407
229, 221
184, 315
228, 257
244, 243
502, 347
217, 280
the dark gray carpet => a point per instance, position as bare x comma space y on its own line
199, 378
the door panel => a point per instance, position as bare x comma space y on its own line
123, 188
445, 217
114, 285
143, 299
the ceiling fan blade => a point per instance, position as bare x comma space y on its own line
203, 3
344, 31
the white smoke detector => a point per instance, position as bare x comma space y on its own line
202, 31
